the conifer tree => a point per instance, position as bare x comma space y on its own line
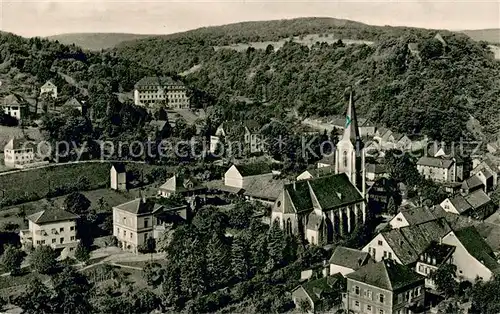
239, 260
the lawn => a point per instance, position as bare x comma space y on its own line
36, 184
307, 40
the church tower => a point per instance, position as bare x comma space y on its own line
350, 153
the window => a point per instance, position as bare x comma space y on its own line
124, 233
356, 290
118, 231
381, 298
369, 294
390, 255
71, 249
356, 303
146, 223
43, 242
61, 240
72, 238
381, 311
61, 229
399, 219
385, 254
345, 159
368, 307
400, 298
54, 240
379, 242
72, 228
37, 241
131, 235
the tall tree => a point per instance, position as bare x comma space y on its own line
36, 299
218, 260
72, 292
11, 259
239, 259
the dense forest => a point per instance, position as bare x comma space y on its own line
433, 92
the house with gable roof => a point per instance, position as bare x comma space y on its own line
16, 107
245, 132
432, 258
19, 152
315, 291
49, 88
316, 172
182, 185
345, 260
136, 221
76, 104
384, 287
473, 257
412, 216
405, 244
476, 204
438, 169
54, 227
239, 176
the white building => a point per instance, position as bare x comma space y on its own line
438, 169
15, 106
49, 88
118, 177
54, 227
242, 132
161, 90
346, 260
473, 257
238, 176
18, 152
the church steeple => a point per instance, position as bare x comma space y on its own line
349, 153
351, 128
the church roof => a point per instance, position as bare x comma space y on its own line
330, 192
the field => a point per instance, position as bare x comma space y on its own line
35, 184
307, 40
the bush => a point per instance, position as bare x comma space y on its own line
12, 259
43, 259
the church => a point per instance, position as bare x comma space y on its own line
323, 208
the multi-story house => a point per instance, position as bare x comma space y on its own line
15, 106
53, 227
438, 169
435, 256
49, 88
181, 185
384, 288
239, 132
161, 90
404, 245
18, 152
136, 221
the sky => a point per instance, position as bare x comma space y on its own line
45, 17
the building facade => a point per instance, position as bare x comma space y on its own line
16, 107
118, 177
162, 91
245, 132
384, 288
49, 88
55, 228
18, 152
136, 221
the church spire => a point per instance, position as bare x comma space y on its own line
351, 129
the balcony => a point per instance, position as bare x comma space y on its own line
25, 235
